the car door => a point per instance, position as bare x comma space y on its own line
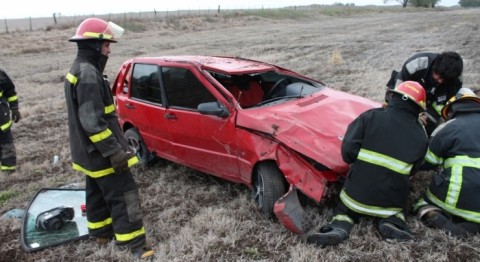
143, 107
204, 142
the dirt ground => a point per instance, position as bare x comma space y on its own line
191, 216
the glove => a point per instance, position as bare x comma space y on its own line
16, 115
119, 161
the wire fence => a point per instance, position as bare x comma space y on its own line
25, 24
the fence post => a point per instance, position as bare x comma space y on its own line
6, 25
218, 10
30, 19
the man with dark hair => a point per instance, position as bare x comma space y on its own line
440, 74
97, 144
8, 102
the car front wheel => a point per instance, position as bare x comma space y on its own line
137, 146
268, 186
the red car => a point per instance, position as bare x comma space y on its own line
245, 121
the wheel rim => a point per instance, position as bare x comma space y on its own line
258, 190
135, 146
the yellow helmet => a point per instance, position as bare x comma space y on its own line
462, 95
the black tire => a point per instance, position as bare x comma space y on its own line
54, 224
138, 147
268, 186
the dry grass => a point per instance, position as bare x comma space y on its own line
191, 216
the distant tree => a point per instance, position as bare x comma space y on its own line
424, 3
469, 3
402, 2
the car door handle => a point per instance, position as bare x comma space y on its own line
170, 116
129, 106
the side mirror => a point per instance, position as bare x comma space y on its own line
214, 109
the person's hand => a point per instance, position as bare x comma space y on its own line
119, 161
422, 118
16, 115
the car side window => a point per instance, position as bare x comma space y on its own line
183, 89
146, 83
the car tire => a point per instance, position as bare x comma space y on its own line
136, 144
269, 185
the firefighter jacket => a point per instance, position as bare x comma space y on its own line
384, 147
419, 68
93, 125
456, 148
8, 100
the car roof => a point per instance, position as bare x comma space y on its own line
223, 64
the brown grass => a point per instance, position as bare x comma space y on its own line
194, 217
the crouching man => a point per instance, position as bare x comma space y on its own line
452, 201
385, 146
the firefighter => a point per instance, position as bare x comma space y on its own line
384, 147
97, 144
452, 200
441, 76
8, 102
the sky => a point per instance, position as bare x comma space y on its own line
46, 8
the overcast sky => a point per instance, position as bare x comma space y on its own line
45, 8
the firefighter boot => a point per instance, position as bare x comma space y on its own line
389, 230
144, 252
328, 236
434, 217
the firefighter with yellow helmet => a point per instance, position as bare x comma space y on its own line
384, 147
97, 144
452, 200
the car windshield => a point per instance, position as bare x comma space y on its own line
266, 88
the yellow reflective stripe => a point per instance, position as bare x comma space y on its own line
454, 185
344, 218
385, 161
1, 93
101, 136
420, 203
72, 79
98, 35
133, 161
12, 98
93, 174
100, 173
6, 125
431, 158
2, 167
466, 214
462, 161
130, 236
438, 108
97, 225
109, 109
358, 207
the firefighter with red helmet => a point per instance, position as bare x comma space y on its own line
384, 147
8, 102
97, 144
452, 200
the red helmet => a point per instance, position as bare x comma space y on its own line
414, 91
97, 29
462, 95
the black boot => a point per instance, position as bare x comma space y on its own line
389, 230
328, 236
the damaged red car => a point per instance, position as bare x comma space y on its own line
250, 122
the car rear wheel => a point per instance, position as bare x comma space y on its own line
137, 146
268, 186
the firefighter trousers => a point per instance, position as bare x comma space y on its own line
113, 209
8, 157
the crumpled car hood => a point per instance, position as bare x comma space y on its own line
313, 126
